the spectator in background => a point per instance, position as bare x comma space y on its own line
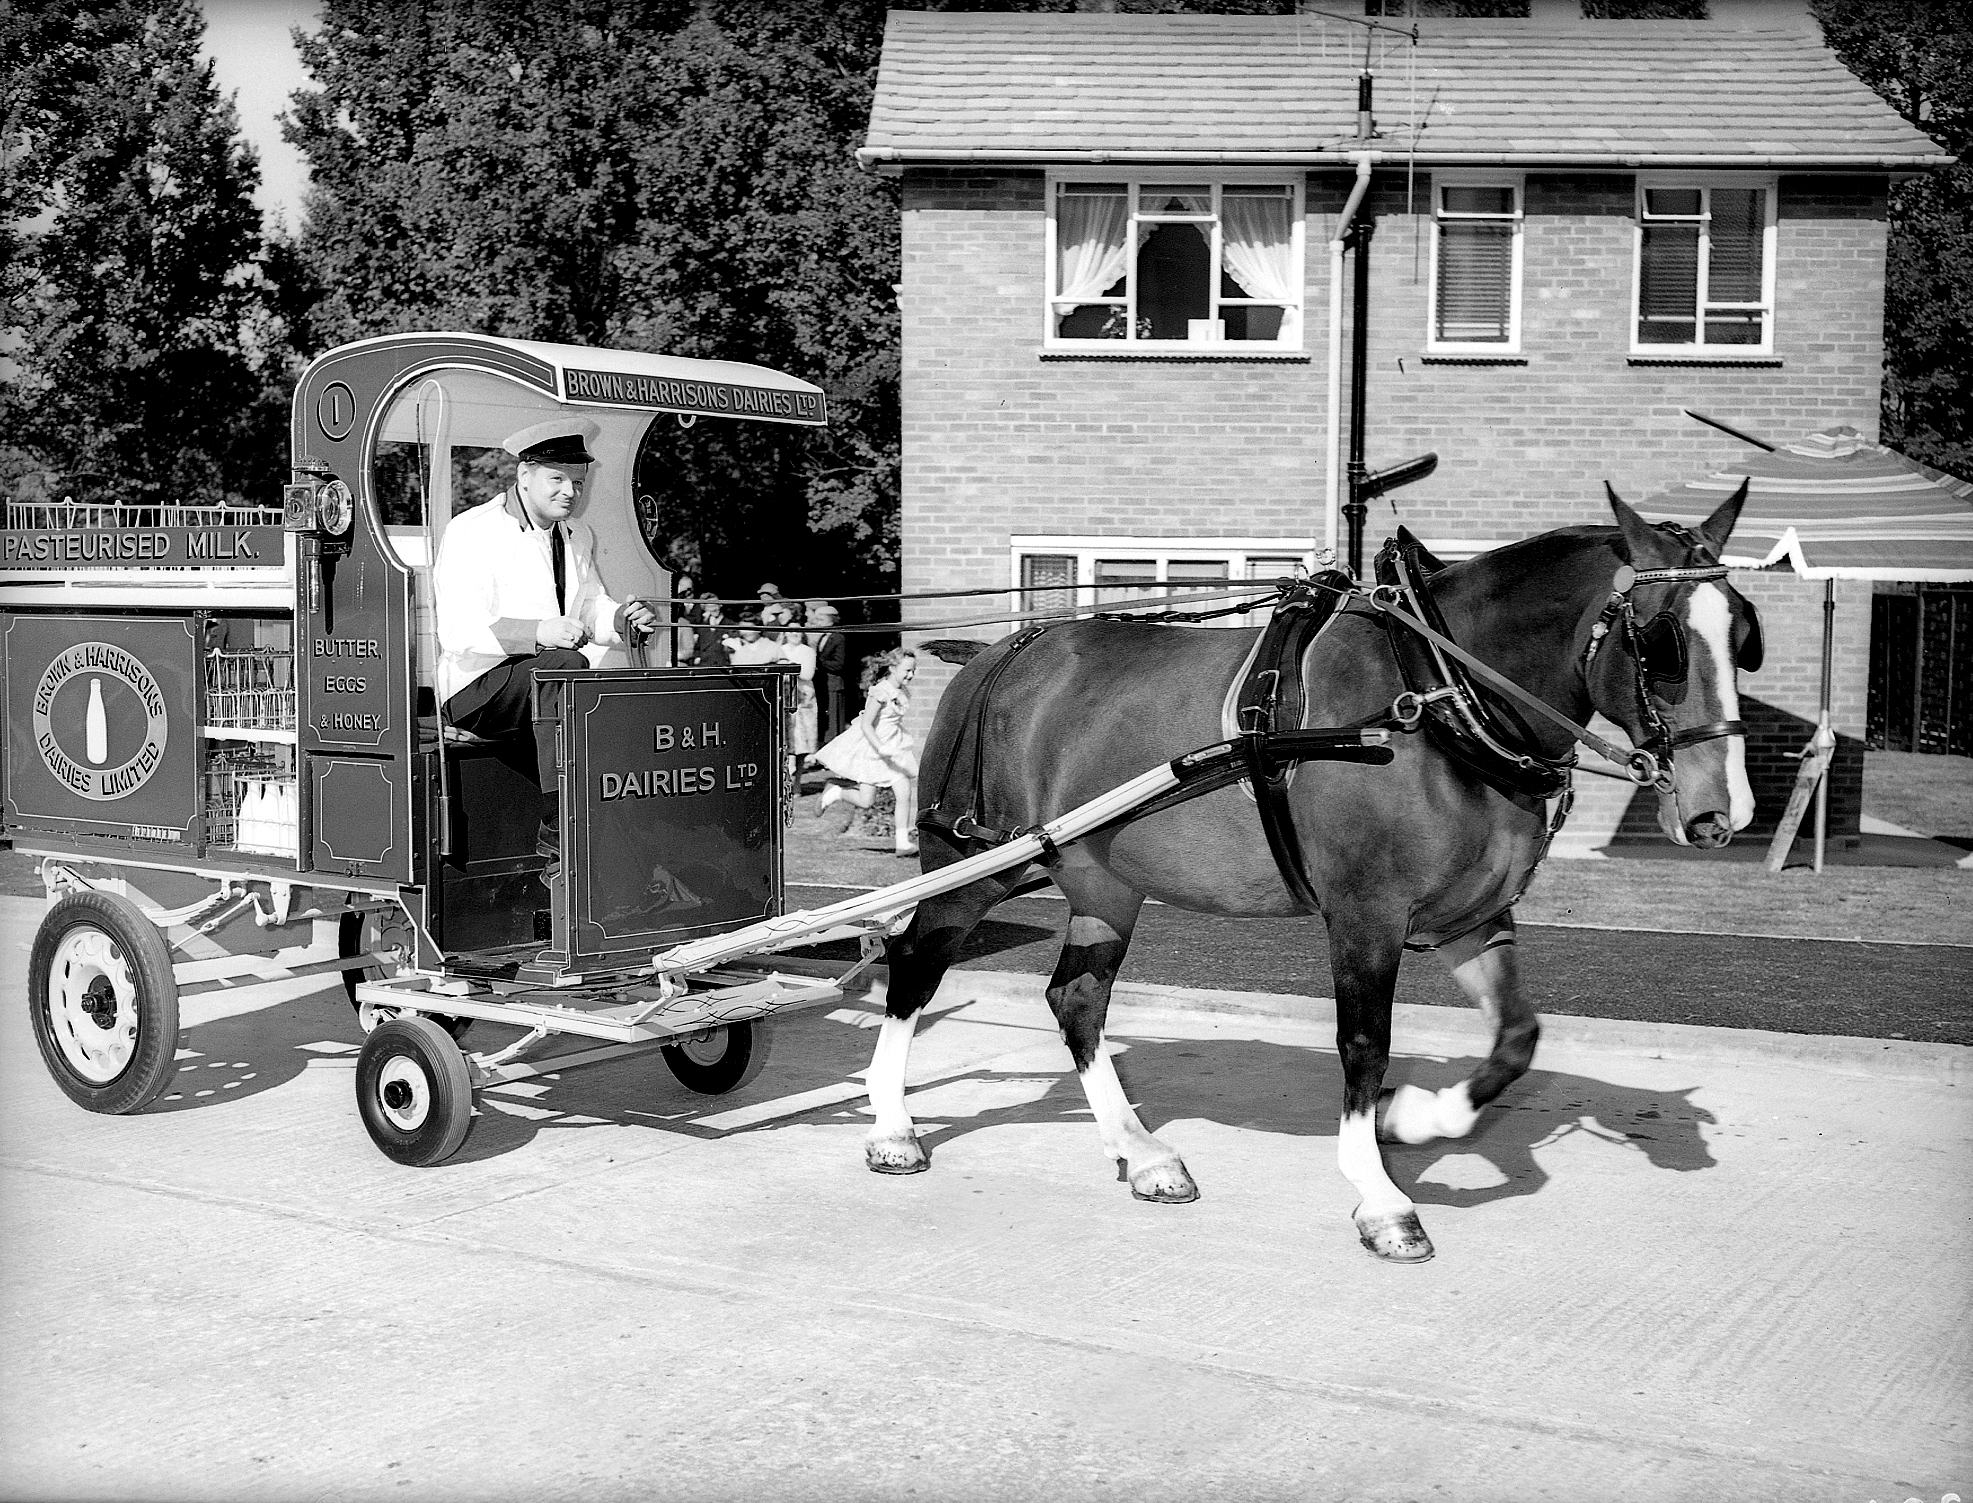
831, 661
802, 742
751, 645
684, 613
768, 593
709, 639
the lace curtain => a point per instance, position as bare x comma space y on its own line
1258, 249
1089, 237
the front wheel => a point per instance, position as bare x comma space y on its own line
104, 1003
717, 1060
413, 1091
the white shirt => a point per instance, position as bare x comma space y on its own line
494, 584
742, 653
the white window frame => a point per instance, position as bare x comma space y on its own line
1471, 179
1236, 552
1706, 181
1132, 178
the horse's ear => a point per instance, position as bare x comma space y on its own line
1638, 533
1717, 528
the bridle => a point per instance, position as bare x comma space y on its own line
1659, 654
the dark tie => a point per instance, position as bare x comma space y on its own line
561, 569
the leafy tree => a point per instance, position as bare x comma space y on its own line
140, 339
1919, 57
669, 178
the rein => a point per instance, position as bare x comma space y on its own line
1648, 764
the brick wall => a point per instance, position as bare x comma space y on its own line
999, 439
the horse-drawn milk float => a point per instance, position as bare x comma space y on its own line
222, 739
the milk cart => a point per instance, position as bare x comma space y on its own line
222, 738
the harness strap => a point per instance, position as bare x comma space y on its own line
1273, 698
1642, 765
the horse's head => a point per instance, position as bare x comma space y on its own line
1667, 671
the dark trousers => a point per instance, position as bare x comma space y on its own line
832, 707
495, 707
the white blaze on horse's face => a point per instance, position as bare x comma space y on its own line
1710, 773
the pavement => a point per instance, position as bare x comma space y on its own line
1677, 1263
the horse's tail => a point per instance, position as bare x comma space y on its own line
958, 651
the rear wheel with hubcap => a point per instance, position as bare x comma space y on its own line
104, 1002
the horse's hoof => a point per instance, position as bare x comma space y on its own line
1395, 1236
902, 1154
1166, 1183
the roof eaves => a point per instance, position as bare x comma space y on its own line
880, 157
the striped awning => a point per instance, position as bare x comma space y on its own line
1837, 507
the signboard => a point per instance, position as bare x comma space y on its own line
101, 720
143, 548
674, 829
713, 398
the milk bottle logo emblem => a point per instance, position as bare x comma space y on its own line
99, 722
96, 726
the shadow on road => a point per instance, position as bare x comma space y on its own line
1250, 1084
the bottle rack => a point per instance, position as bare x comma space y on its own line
250, 695
251, 800
68, 516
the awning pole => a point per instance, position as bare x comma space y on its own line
1824, 733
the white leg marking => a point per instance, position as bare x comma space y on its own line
1418, 1116
1124, 1137
1362, 1163
1154, 1168
1709, 618
886, 1078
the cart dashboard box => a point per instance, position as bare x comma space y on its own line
102, 726
671, 808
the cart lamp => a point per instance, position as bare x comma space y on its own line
308, 507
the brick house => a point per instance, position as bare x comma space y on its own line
1118, 282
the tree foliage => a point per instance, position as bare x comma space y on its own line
139, 334
1919, 57
672, 178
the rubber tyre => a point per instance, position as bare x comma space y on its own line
730, 1058
138, 953
413, 1092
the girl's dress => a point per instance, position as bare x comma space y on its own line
875, 755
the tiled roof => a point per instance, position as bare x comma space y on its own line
982, 86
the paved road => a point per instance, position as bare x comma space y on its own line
1893, 991
1682, 1264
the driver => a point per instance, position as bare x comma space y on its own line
516, 589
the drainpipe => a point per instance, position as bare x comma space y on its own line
1332, 511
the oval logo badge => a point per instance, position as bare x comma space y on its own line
99, 721
335, 411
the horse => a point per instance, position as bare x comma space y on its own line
1421, 853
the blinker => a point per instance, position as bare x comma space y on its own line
1661, 649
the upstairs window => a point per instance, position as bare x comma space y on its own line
1476, 265
1153, 263
1705, 266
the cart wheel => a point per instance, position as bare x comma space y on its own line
104, 1002
357, 933
413, 1091
717, 1060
